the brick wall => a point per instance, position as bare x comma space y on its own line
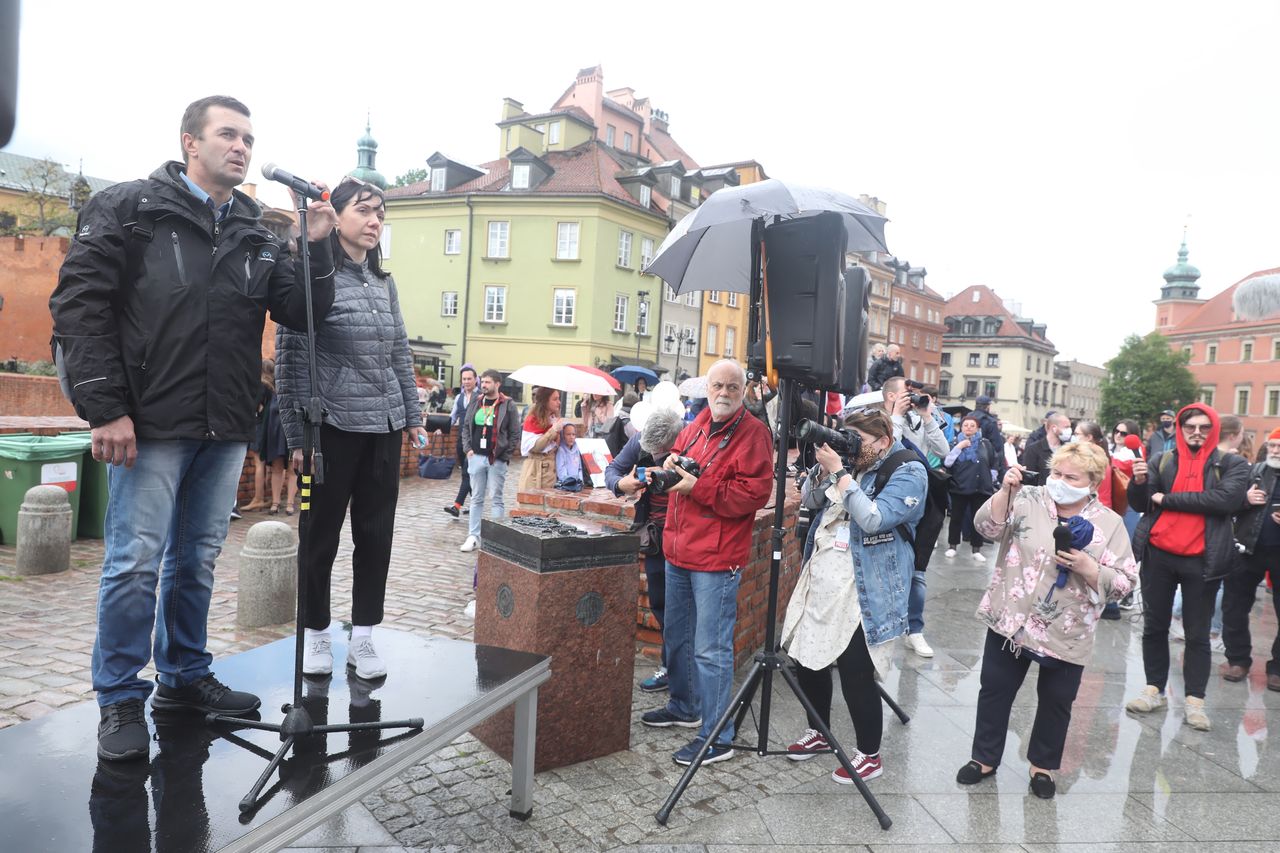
28, 274
601, 506
27, 396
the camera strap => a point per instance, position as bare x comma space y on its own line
724, 442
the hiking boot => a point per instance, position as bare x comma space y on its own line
718, 752
661, 718
122, 731
363, 658
1194, 714
1150, 699
317, 656
867, 767
655, 683
207, 695
1233, 672
808, 745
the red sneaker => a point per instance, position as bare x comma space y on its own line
868, 767
811, 743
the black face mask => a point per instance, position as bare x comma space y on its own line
1166, 425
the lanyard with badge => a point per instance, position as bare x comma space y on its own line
484, 418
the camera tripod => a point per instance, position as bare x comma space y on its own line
771, 659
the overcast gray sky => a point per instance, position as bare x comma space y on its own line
1054, 155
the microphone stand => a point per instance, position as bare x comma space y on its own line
297, 726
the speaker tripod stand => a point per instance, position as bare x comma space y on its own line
297, 727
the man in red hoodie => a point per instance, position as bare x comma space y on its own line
707, 541
1188, 496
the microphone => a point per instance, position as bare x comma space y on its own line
1134, 443
272, 172
1062, 542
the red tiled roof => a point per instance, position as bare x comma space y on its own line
663, 143
988, 304
1218, 311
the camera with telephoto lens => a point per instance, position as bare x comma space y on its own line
920, 401
660, 479
846, 442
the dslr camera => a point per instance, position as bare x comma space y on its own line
846, 442
659, 479
918, 400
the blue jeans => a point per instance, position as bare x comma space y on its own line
167, 517
700, 613
915, 603
655, 574
487, 482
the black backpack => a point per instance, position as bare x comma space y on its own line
936, 501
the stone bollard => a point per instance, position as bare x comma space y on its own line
44, 531
268, 591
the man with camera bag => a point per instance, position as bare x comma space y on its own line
724, 461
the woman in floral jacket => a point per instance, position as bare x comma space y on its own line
1043, 604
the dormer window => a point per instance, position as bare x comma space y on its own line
675, 186
520, 176
553, 133
437, 180
646, 195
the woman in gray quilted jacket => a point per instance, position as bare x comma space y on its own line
366, 385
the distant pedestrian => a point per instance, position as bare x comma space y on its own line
466, 393
490, 432
1162, 438
970, 464
890, 364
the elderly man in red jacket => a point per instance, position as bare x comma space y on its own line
707, 542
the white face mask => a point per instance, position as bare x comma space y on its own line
1063, 493
1065, 433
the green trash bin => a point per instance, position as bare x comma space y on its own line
93, 498
33, 460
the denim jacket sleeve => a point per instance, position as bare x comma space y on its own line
901, 502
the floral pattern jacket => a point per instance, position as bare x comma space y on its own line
1018, 603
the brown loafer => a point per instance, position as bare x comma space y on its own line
1273, 681
1233, 672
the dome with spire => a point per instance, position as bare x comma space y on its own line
1180, 279
366, 152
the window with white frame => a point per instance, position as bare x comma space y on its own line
669, 342
646, 195
624, 248
646, 251
713, 296
449, 303
520, 176
1246, 351
1211, 354
567, 241
710, 338
669, 293
563, 303
609, 133
733, 299
384, 241
620, 305
642, 317
1242, 400
437, 180
626, 141
495, 304
1273, 402
691, 299
553, 133
499, 240
729, 334
675, 186
453, 241
1206, 395
690, 341
894, 309
1275, 349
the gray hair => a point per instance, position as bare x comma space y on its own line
661, 431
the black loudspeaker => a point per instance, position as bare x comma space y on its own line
807, 305
853, 331
8, 68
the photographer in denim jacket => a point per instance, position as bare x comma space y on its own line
845, 614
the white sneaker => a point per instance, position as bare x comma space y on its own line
978, 558
363, 658
317, 656
1175, 629
916, 643
470, 544
951, 552
1216, 645
470, 610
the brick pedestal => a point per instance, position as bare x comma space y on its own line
572, 597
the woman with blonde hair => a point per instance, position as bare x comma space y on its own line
1044, 602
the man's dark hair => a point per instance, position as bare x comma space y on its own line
1050, 414
196, 114
465, 368
897, 382
1191, 412
492, 374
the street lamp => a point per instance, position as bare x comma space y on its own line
680, 339
642, 319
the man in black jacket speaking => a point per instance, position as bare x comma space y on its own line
158, 318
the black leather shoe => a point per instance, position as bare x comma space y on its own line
453, 510
207, 695
122, 731
971, 774
1042, 785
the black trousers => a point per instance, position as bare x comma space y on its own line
1002, 675
361, 470
1162, 574
465, 488
1239, 591
858, 683
962, 509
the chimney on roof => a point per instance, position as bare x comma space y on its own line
874, 203
661, 121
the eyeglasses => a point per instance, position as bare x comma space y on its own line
351, 179
1196, 428
1121, 432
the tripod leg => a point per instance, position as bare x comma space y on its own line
743, 697
251, 798
874, 804
415, 723
893, 706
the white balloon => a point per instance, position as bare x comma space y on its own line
640, 414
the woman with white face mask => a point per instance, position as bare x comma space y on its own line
1044, 602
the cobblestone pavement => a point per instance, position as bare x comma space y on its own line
1127, 782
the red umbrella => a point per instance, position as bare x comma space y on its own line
617, 386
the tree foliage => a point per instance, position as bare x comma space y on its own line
413, 176
1146, 377
47, 187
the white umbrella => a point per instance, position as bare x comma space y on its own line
694, 386
710, 248
562, 378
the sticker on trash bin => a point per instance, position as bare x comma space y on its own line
59, 474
